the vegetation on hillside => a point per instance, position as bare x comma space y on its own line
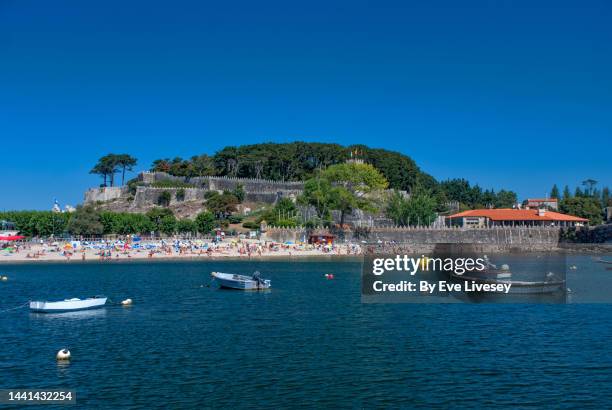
344, 187
588, 203
89, 221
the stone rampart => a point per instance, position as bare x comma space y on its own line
104, 194
491, 239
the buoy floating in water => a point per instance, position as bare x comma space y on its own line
63, 354
126, 302
4, 278
329, 275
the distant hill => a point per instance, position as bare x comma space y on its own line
296, 161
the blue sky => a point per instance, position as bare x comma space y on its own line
515, 96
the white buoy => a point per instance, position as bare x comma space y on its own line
4, 278
126, 302
63, 354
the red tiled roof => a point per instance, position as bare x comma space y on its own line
542, 200
518, 215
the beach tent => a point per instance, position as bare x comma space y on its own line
11, 238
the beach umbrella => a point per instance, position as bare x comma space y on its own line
67, 246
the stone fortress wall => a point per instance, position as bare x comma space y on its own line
424, 239
146, 196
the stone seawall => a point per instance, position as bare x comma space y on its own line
423, 239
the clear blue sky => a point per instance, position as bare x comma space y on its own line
507, 95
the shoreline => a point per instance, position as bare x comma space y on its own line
105, 252
204, 258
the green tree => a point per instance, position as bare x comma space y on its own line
566, 193
85, 221
168, 224
164, 198
239, 193
106, 167
419, 209
205, 222
505, 199
584, 207
186, 226
589, 185
221, 205
127, 163
356, 177
578, 193
317, 193
343, 187
156, 215
203, 165
554, 192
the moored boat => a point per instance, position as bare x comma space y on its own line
68, 305
241, 282
551, 284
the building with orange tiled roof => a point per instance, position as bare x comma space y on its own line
535, 203
482, 218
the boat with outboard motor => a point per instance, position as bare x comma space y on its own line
241, 282
492, 275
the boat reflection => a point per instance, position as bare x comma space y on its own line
76, 315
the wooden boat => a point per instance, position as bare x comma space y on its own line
68, 305
241, 282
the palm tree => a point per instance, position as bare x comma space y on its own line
127, 163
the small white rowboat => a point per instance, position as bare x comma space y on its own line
241, 282
68, 305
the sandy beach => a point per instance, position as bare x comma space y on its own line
30, 252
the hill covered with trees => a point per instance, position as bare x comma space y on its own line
299, 161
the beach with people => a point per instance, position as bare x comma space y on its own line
156, 249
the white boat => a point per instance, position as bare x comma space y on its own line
68, 305
241, 282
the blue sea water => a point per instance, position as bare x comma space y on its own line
308, 342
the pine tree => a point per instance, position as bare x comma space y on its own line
554, 192
566, 193
578, 193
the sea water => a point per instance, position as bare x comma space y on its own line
309, 341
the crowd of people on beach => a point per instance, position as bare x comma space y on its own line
134, 247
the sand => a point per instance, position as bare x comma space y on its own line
36, 252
